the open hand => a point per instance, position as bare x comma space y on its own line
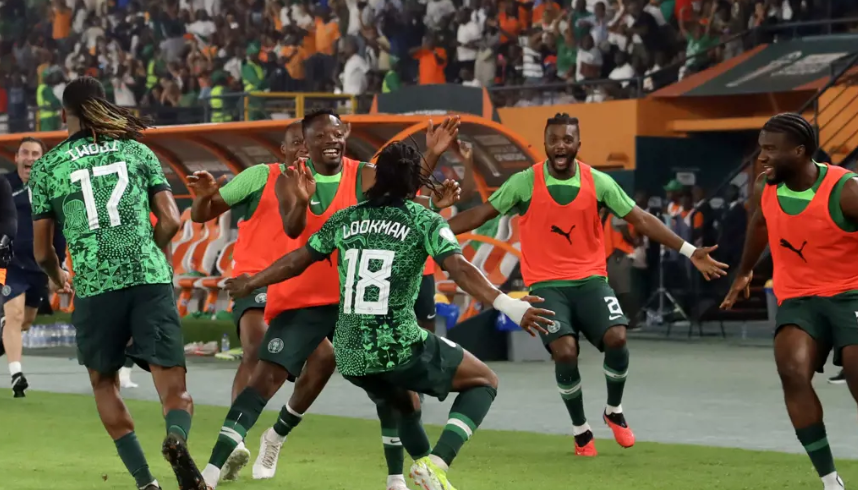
465, 152
239, 287
709, 267
447, 194
203, 184
439, 138
741, 285
536, 319
296, 182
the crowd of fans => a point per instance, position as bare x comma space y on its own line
165, 55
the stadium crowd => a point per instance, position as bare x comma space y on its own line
163, 54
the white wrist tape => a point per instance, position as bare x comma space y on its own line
513, 308
687, 249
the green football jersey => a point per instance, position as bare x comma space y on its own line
382, 252
98, 192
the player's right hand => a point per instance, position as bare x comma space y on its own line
203, 184
239, 287
535, 319
65, 287
742, 285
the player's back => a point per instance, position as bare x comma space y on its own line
382, 252
98, 192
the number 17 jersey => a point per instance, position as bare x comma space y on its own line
98, 192
382, 252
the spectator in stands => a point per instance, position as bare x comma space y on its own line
432, 60
355, 68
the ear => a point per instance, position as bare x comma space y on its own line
64, 116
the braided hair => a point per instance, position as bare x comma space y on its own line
796, 128
561, 119
85, 99
398, 174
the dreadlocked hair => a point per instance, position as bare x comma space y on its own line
561, 119
796, 128
316, 114
85, 99
398, 174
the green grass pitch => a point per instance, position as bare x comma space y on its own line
52, 441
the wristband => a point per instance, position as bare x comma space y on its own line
432, 206
513, 308
687, 249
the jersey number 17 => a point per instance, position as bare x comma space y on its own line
357, 264
83, 176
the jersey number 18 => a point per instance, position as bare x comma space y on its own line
357, 264
82, 176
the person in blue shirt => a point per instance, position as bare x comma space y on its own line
26, 285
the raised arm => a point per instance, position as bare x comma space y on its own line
208, 203
756, 241
294, 188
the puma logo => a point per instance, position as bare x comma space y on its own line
798, 251
565, 234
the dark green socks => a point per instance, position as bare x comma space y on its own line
241, 417
131, 454
569, 384
179, 423
286, 421
815, 442
412, 435
394, 454
466, 414
616, 370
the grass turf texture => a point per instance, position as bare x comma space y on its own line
54, 441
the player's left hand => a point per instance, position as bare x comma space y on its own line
65, 286
203, 184
709, 267
447, 194
439, 138
536, 319
239, 287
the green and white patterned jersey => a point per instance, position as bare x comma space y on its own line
99, 194
382, 251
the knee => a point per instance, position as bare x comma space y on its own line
794, 373
267, 378
615, 338
564, 351
492, 380
323, 358
14, 320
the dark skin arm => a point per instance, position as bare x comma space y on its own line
472, 218
208, 204
286, 267
849, 199
164, 207
46, 254
756, 241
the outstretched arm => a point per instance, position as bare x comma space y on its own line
286, 267
756, 240
473, 218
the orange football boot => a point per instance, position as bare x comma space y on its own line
622, 433
588, 449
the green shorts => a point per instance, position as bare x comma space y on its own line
140, 322
294, 334
832, 321
256, 301
591, 308
430, 371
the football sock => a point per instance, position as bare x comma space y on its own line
131, 453
179, 423
394, 454
569, 384
241, 417
466, 414
616, 370
287, 420
412, 435
14, 368
815, 442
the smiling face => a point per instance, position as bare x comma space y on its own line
293, 146
562, 142
780, 157
28, 153
326, 140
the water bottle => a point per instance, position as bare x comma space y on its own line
37, 337
64, 335
224, 343
25, 338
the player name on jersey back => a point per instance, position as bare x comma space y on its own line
93, 149
394, 229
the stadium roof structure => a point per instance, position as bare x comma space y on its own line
228, 148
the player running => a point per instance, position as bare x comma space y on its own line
563, 261
807, 213
250, 195
383, 245
99, 185
302, 313
26, 286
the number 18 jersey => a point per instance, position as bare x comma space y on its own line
98, 192
382, 251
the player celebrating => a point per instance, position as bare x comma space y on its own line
255, 250
26, 285
98, 185
563, 260
302, 313
383, 245
808, 215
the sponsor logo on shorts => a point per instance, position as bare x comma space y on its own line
275, 346
7, 290
261, 298
554, 327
